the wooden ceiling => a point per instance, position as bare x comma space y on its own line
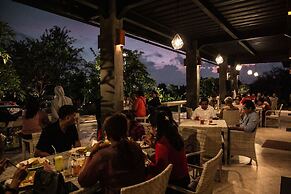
246, 31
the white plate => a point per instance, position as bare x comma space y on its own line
32, 160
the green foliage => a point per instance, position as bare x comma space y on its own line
6, 36
209, 86
9, 80
171, 92
276, 81
135, 74
243, 89
46, 61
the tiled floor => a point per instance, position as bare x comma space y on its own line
239, 178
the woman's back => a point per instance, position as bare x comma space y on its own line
115, 167
167, 154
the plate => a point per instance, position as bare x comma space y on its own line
28, 181
78, 150
33, 162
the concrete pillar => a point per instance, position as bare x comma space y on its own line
222, 79
111, 84
192, 75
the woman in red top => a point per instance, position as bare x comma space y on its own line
140, 105
170, 150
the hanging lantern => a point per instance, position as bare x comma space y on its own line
250, 72
219, 59
238, 67
177, 42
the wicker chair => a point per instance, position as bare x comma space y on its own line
156, 185
273, 115
243, 144
231, 117
208, 144
206, 181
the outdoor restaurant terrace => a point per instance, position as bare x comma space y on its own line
225, 33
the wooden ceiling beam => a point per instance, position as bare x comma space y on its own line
212, 13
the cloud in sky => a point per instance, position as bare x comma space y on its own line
168, 74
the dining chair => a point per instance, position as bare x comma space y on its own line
273, 115
206, 180
156, 185
208, 144
31, 143
231, 117
243, 144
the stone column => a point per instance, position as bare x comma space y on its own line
192, 75
111, 84
222, 79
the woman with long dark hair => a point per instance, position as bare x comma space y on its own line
170, 149
33, 119
116, 165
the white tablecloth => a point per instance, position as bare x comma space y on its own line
208, 135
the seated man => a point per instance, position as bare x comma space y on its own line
204, 111
250, 120
61, 135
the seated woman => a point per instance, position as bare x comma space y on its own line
228, 106
135, 130
117, 165
34, 119
169, 150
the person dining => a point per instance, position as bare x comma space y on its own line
228, 106
59, 101
33, 119
169, 149
115, 165
61, 135
250, 120
204, 111
18, 176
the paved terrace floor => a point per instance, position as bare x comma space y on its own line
238, 178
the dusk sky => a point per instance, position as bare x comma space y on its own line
163, 65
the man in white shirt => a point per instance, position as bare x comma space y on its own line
204, 111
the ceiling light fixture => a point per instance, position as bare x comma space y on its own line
250, 72
219, 59
238, 67
256, 74
177, 42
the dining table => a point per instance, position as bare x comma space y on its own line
210, 135
67, 170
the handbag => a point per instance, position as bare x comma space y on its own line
49, 183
